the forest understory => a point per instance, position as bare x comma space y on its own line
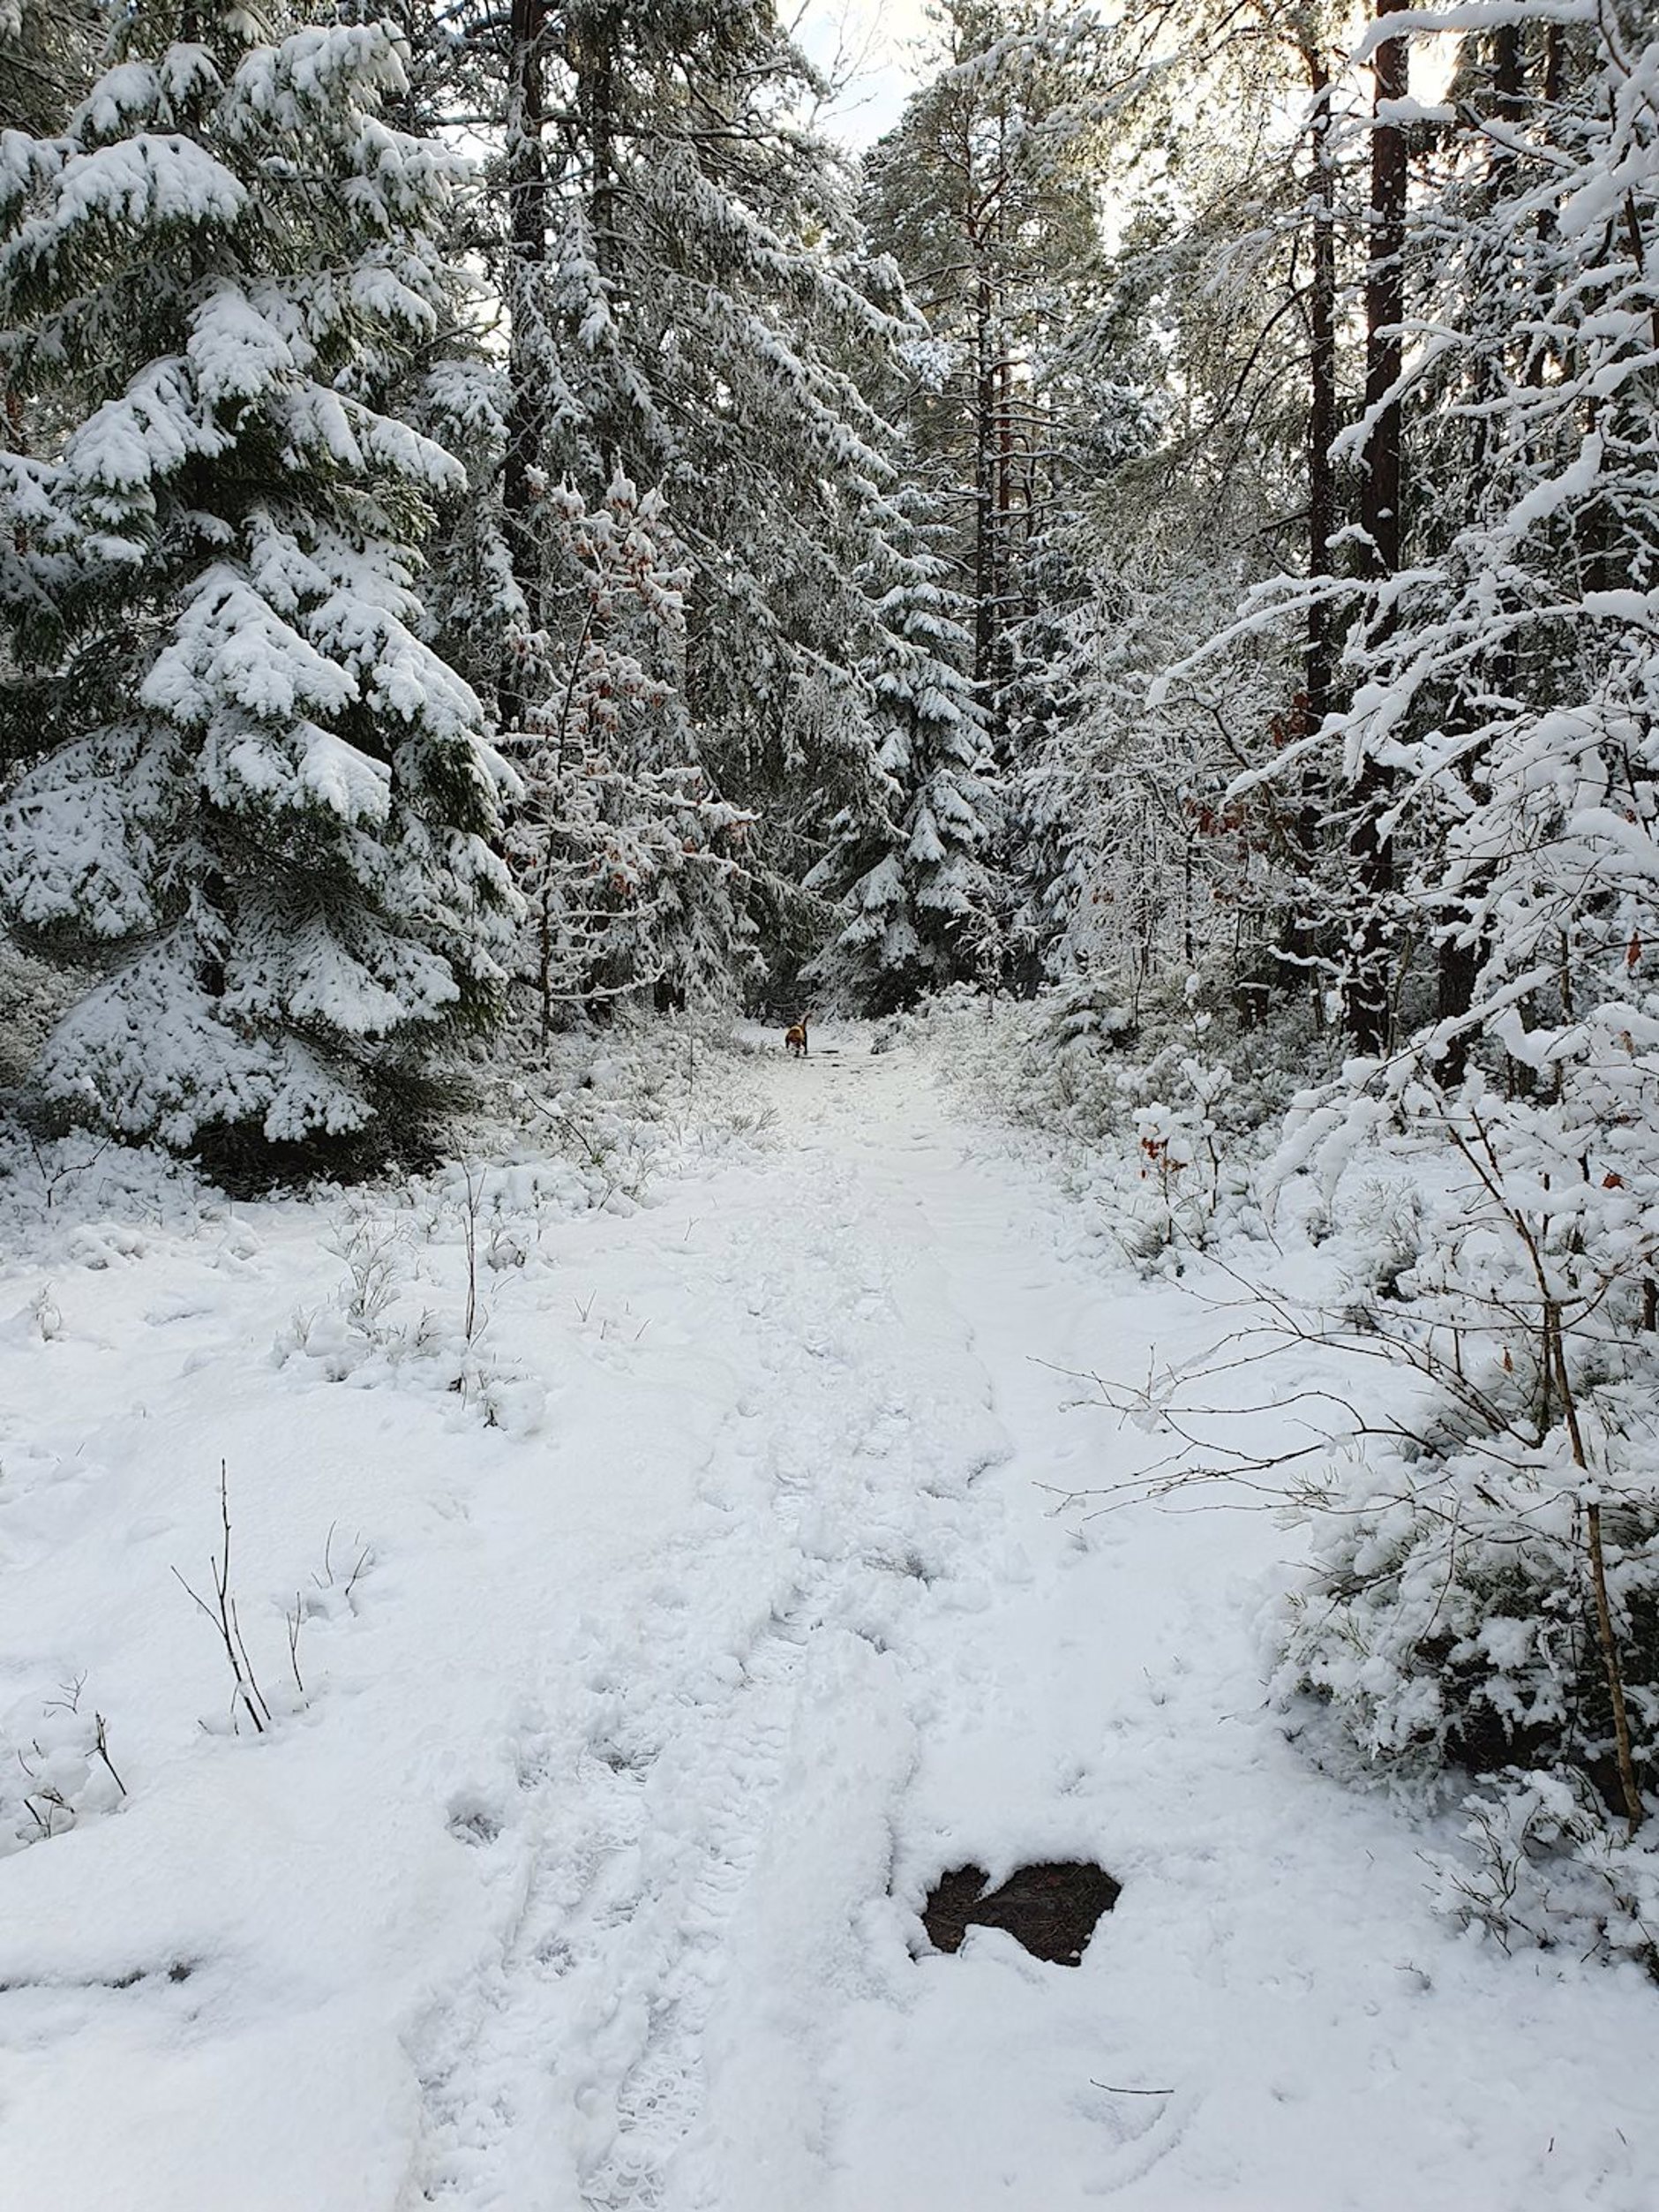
650, 1577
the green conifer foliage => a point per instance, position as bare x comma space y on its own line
259, 802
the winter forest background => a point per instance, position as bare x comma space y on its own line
506, 529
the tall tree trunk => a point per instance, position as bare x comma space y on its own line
1370, 846
595, 60
984, 479
1318, 663
527, 247
1457, 959
1003, 611
1386, 301
1003, 562
1318, 658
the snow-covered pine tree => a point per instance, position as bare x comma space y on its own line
1137, 873
264, 804
48, 53
1485, 1593
627, 859
911, 873
987, 195
690, 307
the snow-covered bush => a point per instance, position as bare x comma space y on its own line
1449, 1611
1089, 1053
88, 1197
1172, 1131
1384, 1226
32, 998
1539, 1870
55, 1769
414, 1303
1484, 1591
1084, 1028
1482, 1596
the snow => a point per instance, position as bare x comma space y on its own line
235, 352
149, 433
150, 178
663, 1636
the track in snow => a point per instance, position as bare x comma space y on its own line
834, 1503
589, 1874
876, 1654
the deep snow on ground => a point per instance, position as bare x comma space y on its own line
586, 1870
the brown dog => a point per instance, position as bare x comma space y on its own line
795, 1036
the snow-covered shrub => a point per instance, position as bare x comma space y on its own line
32, 998
1085, 1029
1164, 1115
1088, 1052
1539, 1870
372, 1246
382, 1324
55, 1769
1385, 1222
1449, 1611
86, 1195
1482, 1596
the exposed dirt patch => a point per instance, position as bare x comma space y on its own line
1052, 1909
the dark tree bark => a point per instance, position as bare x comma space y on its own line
1297, 933
593, 56
985, 336
986, 184
527, 231
1318, 661
1457, 959
1385, 302
1371, 846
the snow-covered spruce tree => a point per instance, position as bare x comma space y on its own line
690, 305
263, 804
985, 193
1486, 1593
912, 875
48, 55
625, 856
474, 607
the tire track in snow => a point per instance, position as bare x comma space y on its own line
575, 2071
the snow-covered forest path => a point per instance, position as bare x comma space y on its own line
588, 1873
